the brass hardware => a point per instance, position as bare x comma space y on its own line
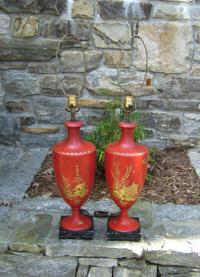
73, 106
72, 103
128, 102
128, 106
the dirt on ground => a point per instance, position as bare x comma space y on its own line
172, 179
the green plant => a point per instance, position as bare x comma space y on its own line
107, 130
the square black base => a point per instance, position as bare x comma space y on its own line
87, 234
127, 236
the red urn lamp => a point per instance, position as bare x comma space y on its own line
126, 168
74, 161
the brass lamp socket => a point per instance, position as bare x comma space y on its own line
128, 102
72, 101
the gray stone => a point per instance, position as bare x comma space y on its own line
175, 229
161, 121
191, 123
27, 119
168, 104
190, 274
2, 94
9, 128
33, 6
194, 159
95, 248
150, 271
196, 56
195, 69
42, 68
106, 36
177, 87
125, 272
19, 84
83, 9
106, 82
100, 262
25, 26
31, 49
6, 235
166, 122
51, 87
182, 213
99, 272
173, 258
31, 234
17, 266
156, 143
169, 11
18, 106
73, 61
196, 27
82, 271
42, 205
195, 11
118, 58
13, 65
119, 9
18, 169
133, 263
57, 27
81, 29
40, 140
167, 53
170, 270
4, 24
183, 140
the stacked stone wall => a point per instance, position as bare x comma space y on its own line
31, 102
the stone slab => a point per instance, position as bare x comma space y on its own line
150, 271
99, 272
82, 271
29, 49
175, 252
17, 170
176, 221
100, 262
34, 266
170, 270
167, 53
30, 235
33, 6
95, 248
4, 24
194, 156
105, 35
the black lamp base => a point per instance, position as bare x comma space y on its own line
126, 236
87, 234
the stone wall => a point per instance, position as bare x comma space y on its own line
31, 102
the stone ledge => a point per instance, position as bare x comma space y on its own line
171, 233
171, 240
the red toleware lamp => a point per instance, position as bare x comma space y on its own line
126, 168
74, 161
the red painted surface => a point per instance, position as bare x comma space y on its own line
74, 161
126, 168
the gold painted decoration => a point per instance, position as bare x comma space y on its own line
77, 189
124, 191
